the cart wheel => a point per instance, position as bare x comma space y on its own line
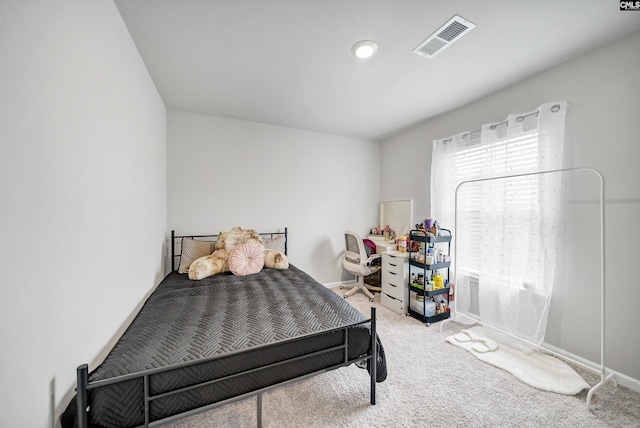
428, 324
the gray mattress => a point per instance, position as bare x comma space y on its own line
227, 316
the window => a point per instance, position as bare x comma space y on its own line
507, 228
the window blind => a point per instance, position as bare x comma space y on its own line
508, 156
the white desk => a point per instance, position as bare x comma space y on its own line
382, 245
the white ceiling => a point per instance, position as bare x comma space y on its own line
289, 62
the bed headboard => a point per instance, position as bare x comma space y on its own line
176, 243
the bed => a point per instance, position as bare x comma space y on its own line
196, 345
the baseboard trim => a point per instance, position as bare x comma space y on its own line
338, 284
620, 378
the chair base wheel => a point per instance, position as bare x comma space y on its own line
371, 300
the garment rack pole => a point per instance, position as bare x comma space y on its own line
602, 370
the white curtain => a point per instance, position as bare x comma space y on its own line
508, 229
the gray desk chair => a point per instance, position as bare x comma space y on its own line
357, 262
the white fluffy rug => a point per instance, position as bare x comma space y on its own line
541, 371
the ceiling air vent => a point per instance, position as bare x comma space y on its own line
444, 36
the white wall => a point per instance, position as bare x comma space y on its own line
83, 194
603, 89
225, 173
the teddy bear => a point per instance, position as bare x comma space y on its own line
218, 261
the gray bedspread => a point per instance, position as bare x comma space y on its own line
224, 315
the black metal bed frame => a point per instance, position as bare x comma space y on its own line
84, 386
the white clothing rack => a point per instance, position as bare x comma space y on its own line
603, 375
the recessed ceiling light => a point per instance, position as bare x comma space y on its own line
365, 49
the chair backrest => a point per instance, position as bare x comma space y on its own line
355, 255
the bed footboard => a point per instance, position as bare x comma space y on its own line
370, 359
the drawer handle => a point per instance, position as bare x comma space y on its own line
393, 285
393, 273
393, 264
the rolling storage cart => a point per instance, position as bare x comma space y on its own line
428, 301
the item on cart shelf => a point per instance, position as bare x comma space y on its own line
425, 305
428, 222
442, 302
438, 281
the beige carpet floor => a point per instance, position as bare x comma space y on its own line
430, 383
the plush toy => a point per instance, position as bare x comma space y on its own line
243, 249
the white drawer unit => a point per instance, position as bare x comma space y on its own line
395, 275
394, 304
